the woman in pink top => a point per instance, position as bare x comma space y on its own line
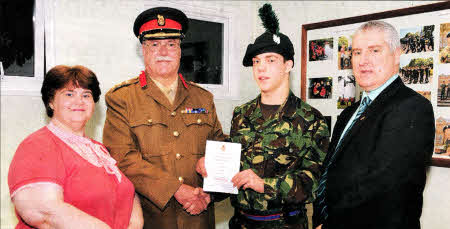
59, 178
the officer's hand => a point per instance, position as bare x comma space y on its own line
319, 227
248, 179
195, 209
193, 200
200, 167
203, 195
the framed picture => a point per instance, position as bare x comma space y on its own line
424, 33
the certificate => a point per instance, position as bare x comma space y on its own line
222, 162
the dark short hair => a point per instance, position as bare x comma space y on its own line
448, 35
62, 76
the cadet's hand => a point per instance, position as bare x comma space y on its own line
200, 167
248, 179
319, 227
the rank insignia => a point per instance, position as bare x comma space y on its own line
194, 111
161, 20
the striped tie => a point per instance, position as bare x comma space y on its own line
322, 183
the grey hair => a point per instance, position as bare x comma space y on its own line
390, 33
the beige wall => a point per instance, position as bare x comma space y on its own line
98, 34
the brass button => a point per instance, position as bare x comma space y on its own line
178, 156
150, 121
181, 179
199, 121
176, 134
173, 113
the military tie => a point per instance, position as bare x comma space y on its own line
322, 183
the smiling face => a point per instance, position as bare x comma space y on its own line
162, 57
372, 59
270, 71
72, 107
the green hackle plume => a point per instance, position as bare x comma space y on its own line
269, 18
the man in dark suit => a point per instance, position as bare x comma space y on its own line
375, 170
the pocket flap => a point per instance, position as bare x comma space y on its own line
197, 119
149, 121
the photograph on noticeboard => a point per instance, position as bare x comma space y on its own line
417, 39
416, 70
442, 138
443, 90
320, 88
321, 49
444, 44
346, 91
345, 52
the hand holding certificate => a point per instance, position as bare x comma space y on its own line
222, 162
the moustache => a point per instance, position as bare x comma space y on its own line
164, 58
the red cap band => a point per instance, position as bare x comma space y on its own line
153, 24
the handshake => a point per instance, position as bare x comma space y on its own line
194, 200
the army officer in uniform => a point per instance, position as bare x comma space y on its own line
157, 125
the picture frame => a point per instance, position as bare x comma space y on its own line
345, 26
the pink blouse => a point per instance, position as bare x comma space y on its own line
81, 166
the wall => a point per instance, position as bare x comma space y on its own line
98, 34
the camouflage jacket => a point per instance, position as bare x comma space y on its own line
286, 150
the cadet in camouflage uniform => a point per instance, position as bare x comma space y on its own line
284, 140
286, 151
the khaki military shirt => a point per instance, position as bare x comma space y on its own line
157, 146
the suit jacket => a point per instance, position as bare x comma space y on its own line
379, 173
157, 146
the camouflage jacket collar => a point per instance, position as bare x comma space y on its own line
288, 109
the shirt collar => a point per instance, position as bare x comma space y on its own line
170, 89
374, 93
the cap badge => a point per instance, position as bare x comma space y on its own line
161, 20
276, 39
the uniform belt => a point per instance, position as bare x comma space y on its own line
269, 217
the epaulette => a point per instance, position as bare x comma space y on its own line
125, 83
196, 85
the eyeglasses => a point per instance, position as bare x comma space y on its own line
155, 45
